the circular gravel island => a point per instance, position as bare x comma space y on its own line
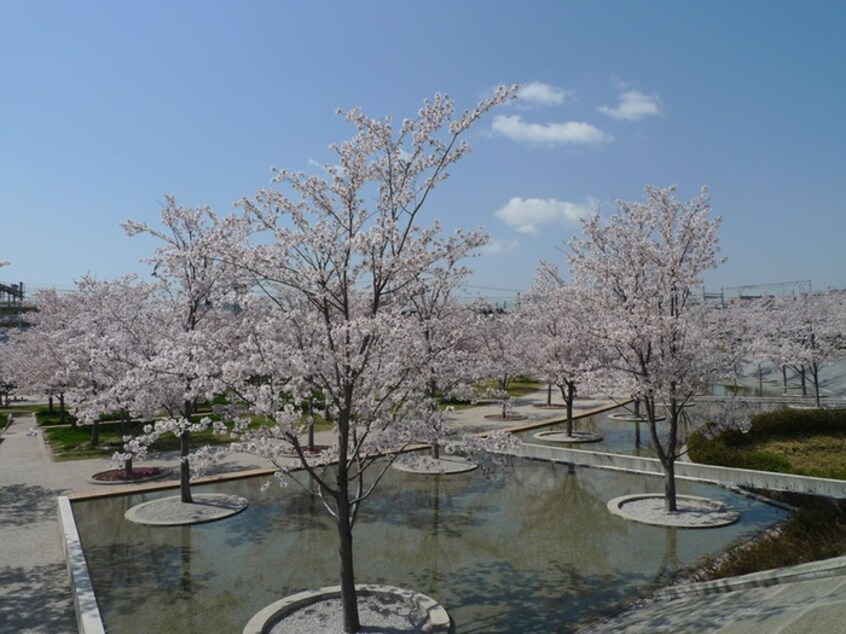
381, 609
693, 512
631, 418
172, 511
427, 465
564, 437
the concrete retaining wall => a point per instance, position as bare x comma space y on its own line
88, 617
688, 470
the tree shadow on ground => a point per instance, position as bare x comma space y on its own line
36, 599
24, 504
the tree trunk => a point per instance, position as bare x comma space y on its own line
760, 381
815, 375
349, 598
571, 394
637, 407
184, 468
670, 484
127, 464
549, 394
667, 455
95, 433
804, 383
62, 411
50, 403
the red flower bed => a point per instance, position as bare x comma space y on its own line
119, 475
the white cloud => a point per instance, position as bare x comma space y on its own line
540, 94
634, 105
527, 214
313, 163
573, 132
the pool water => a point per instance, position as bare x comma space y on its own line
532, 549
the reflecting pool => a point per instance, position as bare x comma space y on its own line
533, 549
632, 438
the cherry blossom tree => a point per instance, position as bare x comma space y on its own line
195, 289
637, 273
113, 338
503, 338
448, 332
560, 347
35, 359
805, 330
341, 260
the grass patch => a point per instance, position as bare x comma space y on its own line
802, 442
74, 443
47, 418
817, 530
19, 408
521, 386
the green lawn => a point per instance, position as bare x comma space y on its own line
518, 387
74, 443
804, 442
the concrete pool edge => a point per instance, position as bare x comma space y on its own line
88, 617
88, 613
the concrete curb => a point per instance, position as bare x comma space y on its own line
88, 618
715, 515
688, 470
265, 618
801, 572
171, 511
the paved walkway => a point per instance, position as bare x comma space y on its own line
34, 593
790, 607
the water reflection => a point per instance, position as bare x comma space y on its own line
534, 545
633, 437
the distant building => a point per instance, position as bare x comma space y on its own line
13, 308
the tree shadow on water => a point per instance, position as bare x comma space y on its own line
499, 598
124, 575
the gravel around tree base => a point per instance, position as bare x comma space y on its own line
378, 613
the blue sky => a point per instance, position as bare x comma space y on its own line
106, 106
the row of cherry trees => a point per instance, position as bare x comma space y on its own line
329, 296
327, 290
803, 332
